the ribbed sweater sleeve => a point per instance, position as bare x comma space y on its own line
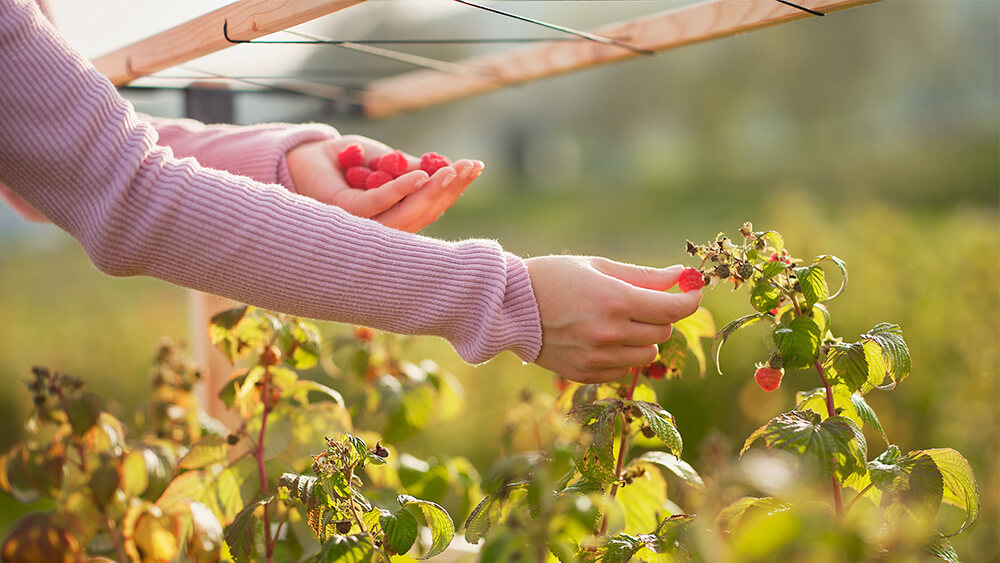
76, 151
255, 151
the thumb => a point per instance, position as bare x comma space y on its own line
660, 279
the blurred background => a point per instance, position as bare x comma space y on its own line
872, 134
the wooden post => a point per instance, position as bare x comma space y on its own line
657, 32
245, 19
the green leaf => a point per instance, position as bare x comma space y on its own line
209, 450
843, 273
674, 465
836, 445
488, 512
277, 434
673, 354
355, 548
228, 319
960, 488
942, 549
773, 239
413, 411
437, 518
597, 461
846, 365
728, 330
812, 281
730, 517
695, 327
83, 410
240, 534
911, 483
662, 423
867, 414
302, 388
642, 497
798, 342
884, 346
400, 531
765, 295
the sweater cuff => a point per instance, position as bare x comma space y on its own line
525, 326
265, 160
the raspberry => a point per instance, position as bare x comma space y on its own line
744, 270
768, 378
376, 179
356, 176
721, 271
655, 370
782, 258
431, 162
394, 164
690, 280
373, 163
352, 155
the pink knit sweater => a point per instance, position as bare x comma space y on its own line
76, 151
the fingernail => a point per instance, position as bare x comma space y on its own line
448, 180
421, 182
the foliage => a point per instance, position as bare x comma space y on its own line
606, 479
182, 487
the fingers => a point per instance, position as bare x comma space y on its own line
609, 364
660, 279
424, 206
372, 203
657, 307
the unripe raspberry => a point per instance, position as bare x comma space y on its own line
690, 280
744, 270
275, 395
721, 271
364, 333
271, 356
394, 164
352, 155
356, 176
376, 179
768, 378
431, 162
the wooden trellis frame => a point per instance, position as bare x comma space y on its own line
251, 19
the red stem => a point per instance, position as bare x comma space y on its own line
861, 494
622, 445
266, 398
838, 502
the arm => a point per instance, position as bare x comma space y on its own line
76, 152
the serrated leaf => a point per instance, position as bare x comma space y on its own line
912, 483
355, 548
400, 531
227, 319
836, 445
942, 549
209, 450
695, 327
240, 534
437, 518
815, 400
642, 497
729, 518
843, 273
960, 488
846, 365
798, 342
892, 351
867, 414
662, 423
727, 331
597, 461
674, 465
673, 354
812, 282
764, 295
488, 512
773, 239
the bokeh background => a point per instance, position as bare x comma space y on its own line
872, 134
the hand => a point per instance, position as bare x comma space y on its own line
600, 317
23, 208
408, 203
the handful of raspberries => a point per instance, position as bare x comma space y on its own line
368, 175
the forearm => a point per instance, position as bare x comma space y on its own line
75, 151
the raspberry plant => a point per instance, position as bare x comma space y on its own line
296, 480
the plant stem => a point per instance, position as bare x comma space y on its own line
115, 538
838, 502
266, 399
76, 441
622, 446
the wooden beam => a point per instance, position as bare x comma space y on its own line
656, 32
247, 19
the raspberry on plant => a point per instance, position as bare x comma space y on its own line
376, 179
394, 164
690, 280
655, 370
352, 155
768, 378
432, 162
356, 176
721, 271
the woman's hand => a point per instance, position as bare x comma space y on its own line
408, 203
600, 317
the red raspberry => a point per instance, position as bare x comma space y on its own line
356, 176
394, 164
768, 378
352, 155
376, 179
373, 163
690, 280
782, 258
562, 383
656, 370
431, 162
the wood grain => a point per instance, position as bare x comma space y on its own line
247, 19
656, 32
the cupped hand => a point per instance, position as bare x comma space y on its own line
408, 203
601, 317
